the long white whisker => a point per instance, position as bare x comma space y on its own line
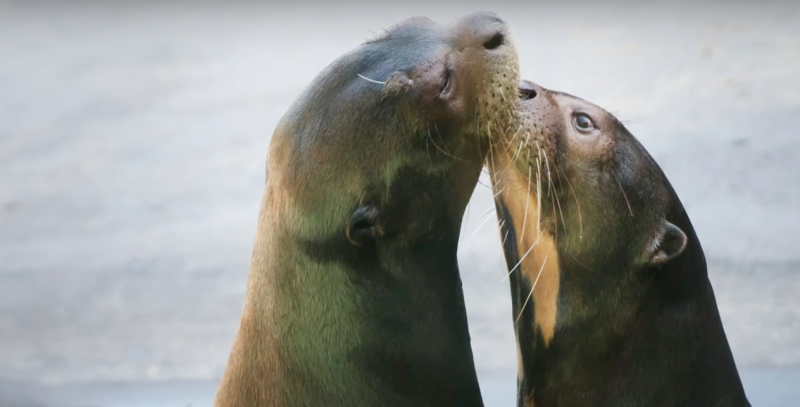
538, 197
550, 190
519, 150
498, 192
501, 224
623, 194
488, 211
523, 258
370, 80
578, 205
437, 146
533, 287
527, 202
479, 228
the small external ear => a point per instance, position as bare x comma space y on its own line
669, 244
364, 225
397, 83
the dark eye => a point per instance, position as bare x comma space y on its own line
583, 123
446, 85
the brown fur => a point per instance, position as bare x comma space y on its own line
540, 263
327, 322
621, 313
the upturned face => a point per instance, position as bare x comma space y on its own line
389, 140
583, 210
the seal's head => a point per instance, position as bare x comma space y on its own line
591, 185
389, 140
587, 218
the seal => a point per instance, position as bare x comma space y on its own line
354, 295
611, 297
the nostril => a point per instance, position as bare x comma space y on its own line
527, 93
495, 41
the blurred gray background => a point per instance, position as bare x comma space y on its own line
133, 140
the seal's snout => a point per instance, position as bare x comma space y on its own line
488, 29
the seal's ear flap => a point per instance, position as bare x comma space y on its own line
669, 244
364, 225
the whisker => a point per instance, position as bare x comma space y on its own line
561, 213
532, 288
555, 194
438, 133
523, 258
577, 205
538, 197
510, 163
519, 150
579, 262
547, 167
498, 193
555, 218
441, 150
527, 202
478, 133
478, 228
503, 243
505, 150
623, 194
514, 137
428, 148
370, 80
490, 163
488, 211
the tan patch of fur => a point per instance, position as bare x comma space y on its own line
537, 248
544, 260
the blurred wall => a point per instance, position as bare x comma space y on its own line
133, 138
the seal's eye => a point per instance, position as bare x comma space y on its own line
583, 123
446, 85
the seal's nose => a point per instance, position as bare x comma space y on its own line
495, 41
529, 90
487, 28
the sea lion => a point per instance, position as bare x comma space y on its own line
611, 297
354, 296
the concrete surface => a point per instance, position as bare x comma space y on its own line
132, 153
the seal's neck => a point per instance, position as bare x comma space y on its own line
664, 347
326, 323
